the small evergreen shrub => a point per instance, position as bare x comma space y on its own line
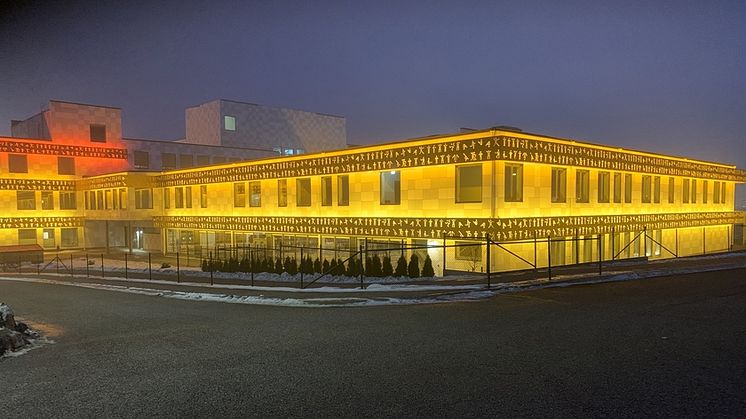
414, 266
427, 268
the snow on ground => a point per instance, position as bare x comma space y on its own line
35, 344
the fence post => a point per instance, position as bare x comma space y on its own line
102, 266
600, 257
212, 281
150, 270
677, 242
549, 256
645, 241
362, 267
613, 239
302, 263
364, 259
125, 267
489, 276
445, 253
178, 269
71, 264
87, 266
704, 245
38, 269
56, 264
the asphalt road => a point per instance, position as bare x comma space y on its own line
661, 347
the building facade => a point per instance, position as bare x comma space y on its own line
541, 199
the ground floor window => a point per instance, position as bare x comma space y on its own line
27, 236
47, 236
69, 237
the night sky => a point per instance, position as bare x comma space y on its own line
661, 76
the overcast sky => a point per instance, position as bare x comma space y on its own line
661, 76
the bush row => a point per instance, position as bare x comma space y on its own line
374, 266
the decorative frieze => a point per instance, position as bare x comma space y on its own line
37, 185
34, 222
21, 147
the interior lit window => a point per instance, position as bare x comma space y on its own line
513, 182
303, 192
255, 194
282, 192
646, 189
239, 194
582, 186
390, 187
229, 123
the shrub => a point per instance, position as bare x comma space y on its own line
325, 266
317, 266
375, 266
401, 266
387, 269
278, 266
354, 267
427, 268
244, 265
333, 267
414, 266
205, 266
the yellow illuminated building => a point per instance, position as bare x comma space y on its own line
531, 194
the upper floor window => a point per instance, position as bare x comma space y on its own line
391, 187
143, 198
617, 188
628, 188
239, 194
141, 159
604, 182
559, 184
166, 198
65, 165
657, 189
646, 189
685, 191
47, 200
326, 191
671, 190
694, 191
17, 163
282, 192
704, 191
303, 192
343, 190
98, 133
67, 200
469, 183
723, 197
255, 194
513, 182
26, 200
229, 123
203, 196
168, 161
582, 186
716, 192
186, 161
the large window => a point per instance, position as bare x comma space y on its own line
469, 183
27, 236
47, 237
202, 160
391, 187
166, 198
303, 192
646, 189
203, 196
239, 194
716, 192
582, 186
17, 163
617, 188
343, 190
65, 165
604, 182
69, 237
255, 194
143, 198
326, 191
229, 123
628, 188
142, 159
513, 182
168, 161
98, 133
282, 192
685, 191
179, 197
468, 251
47, 200
671, 190
67, 200
657, 189
559, 184
723, 196
693, 196
704, 191
26, 200
186, 161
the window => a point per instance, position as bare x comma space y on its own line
179, 197
47, 237
255, 194
65, 165
186, 161
239, 195
468, 251
671, 190
657, 189
143, 198
469, 183
303, 192
69, 237
115, 198
282, 192
513, 182
142, 159
203, 196
694, 191
90, 200
98, 133
685, 191
704, 191
166, 198
229, 123
391, 187
559, 184
722, 193
628, 188
218, 159
617, 188
27, 236
47, 200
582, 186
646, 189
343, 190
107, 199
26, 200
326, 191
123, 198
203, 161
168, 161
188, 196
716, 192
17, 163
603, 187
67, 200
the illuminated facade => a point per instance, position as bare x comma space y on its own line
452, 189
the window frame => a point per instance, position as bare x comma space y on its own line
513, 188
460, 196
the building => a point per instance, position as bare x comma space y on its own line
539, 198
